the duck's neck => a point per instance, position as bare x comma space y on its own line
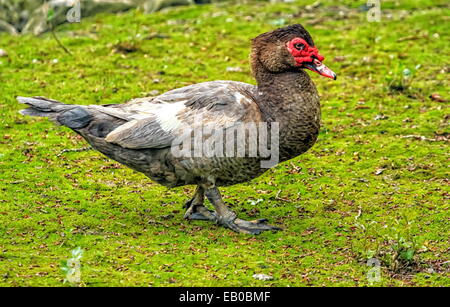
291, 99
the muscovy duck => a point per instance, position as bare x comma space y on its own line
143, 133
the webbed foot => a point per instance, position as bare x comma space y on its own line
254, 227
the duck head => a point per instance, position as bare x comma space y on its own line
287, 49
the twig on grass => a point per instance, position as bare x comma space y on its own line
74, 150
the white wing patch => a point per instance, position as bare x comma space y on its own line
241, 99
166, 115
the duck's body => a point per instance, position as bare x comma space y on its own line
144, 133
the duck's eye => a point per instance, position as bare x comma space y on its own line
299, 46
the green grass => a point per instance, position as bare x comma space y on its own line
363, 191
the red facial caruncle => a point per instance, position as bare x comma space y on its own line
308, 57
302, 51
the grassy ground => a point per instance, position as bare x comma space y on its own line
375, 184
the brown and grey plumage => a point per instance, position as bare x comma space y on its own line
142, 133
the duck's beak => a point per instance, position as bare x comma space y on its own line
320, 68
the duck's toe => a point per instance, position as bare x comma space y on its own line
254, 227
199, 212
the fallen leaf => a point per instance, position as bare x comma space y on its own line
262, 277
379, 171
234, 69
437, 97
381, 117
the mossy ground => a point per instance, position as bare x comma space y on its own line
364, 190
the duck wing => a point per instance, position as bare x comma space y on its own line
159, 121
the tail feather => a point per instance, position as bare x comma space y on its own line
72, 116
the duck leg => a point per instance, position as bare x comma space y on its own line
225, 217
195, 209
